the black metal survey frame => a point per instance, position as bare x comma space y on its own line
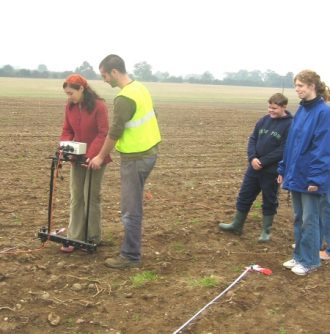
45, 233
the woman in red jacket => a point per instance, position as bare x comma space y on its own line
86, 121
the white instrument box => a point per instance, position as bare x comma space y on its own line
73, 147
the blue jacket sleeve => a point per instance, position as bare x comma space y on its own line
319, 166
281, 168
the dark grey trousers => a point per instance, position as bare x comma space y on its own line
133, 177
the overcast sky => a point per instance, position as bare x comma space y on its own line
178, 36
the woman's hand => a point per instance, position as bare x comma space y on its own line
95, 163
312, 188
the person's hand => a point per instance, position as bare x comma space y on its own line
312, 188
256, 164
280, 179
95, 163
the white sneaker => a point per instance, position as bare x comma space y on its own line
293, 246
299, 269
290, 264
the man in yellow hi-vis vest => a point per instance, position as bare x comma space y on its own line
134, 133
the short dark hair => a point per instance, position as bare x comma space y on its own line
112, 62
279, 99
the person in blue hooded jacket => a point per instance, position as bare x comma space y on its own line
305, 169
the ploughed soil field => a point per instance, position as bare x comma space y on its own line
187, 261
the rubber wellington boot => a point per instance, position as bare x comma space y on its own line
236, 226
267, 222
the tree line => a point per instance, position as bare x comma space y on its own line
42, 72
143, 72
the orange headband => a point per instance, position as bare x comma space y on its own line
76, 79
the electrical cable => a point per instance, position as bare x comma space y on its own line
257, 268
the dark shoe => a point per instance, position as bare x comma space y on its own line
68, 249
121, 262
267, 222
236, 226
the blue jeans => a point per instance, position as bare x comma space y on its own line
133, 176
325, 221
307, 228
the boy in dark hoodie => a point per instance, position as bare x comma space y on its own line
265, 150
